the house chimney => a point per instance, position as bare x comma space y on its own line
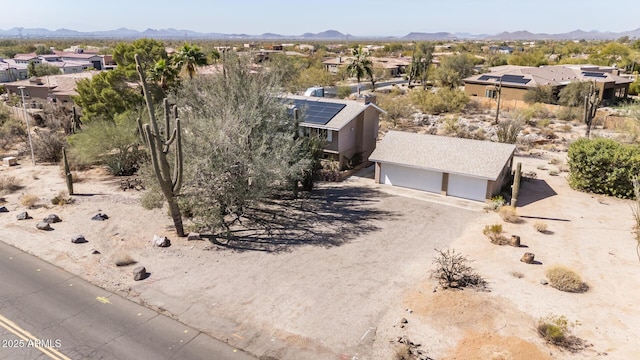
367, 99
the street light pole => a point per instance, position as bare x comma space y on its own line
26, 119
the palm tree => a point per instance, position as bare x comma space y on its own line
360, 66
189, 57
164, 73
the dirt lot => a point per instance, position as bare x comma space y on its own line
345, 264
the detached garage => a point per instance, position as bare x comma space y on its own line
469, 169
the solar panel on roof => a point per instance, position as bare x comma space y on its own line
518, 79
594, 74
487, 77
317, 112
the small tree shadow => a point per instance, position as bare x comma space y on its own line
325, 217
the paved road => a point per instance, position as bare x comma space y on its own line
48, 313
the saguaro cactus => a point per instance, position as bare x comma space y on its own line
515, 189
591, 104
67, 173
159, 147
75, 121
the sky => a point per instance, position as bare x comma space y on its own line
354, 17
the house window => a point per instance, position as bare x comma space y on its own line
490, 93
325, 134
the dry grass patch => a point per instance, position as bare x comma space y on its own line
29, 201
508, 214
9, 184
541, 227
516, 274
565, 279
494, 233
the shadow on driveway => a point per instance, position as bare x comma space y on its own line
329, 216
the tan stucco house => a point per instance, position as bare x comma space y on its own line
516, 81
350, 127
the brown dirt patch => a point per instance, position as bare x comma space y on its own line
487, 346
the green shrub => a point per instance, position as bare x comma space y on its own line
113, 144
565, 279
443, 101
557, 330
397, 106
343, 91
603, 166
494, 229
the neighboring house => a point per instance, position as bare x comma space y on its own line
96, 61
349, 127
55, 88
333, 65
516, 81
11, 71
469, 169
25, 59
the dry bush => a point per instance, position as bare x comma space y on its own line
517, 274
48, 144
62, 198
541, 227
554, 161
557, 330
566, 128
29, 201
565, 279
124, 259
452, 271
508, 214
9, 184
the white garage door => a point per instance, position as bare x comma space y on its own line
411, 178
467, 187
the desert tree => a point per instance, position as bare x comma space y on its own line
453, 69
241, 144
420, 63
360, 66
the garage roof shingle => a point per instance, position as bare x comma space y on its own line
476, 158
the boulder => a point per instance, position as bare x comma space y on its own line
160, 241
194, 236
139, 273
100, 217
78, 239
52, 219
3, 209
23, 216
43, 226
528, 258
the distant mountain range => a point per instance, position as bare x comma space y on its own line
124, 33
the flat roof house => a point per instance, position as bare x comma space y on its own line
349, 127
469, 169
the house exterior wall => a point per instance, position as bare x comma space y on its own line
494, 187
508, 93
370, 132
347, 142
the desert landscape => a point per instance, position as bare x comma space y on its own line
346, 272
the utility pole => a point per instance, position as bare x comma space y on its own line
499, 95
26, 119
